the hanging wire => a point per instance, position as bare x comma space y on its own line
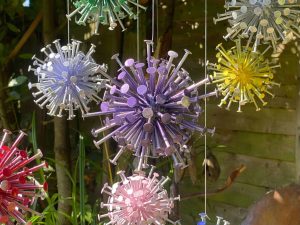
68, 20
205, 109
153, 23
138, 31
156, 21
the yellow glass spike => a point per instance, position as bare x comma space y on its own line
242, 76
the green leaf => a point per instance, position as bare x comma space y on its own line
13, 28
2, 49
13, 96
17, 81
35, 145
2, 33
81, 179
26, 56
221, 146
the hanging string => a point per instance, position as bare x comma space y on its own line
156, 21
205, 109
68, 20
138, 31
153, 23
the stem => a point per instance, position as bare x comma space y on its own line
106, 155
81, 179
162, 49
174, 192
62, 165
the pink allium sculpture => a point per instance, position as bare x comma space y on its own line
138, 199
18, 188
153, 109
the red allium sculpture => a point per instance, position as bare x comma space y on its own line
138, 199
18, 188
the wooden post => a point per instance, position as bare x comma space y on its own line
297, 150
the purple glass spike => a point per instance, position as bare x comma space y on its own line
158, 106
219, 221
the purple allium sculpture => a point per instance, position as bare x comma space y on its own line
242, 76
67, 79
152, 108
262, 20
204, 218
138, 199
18, 188
105, 12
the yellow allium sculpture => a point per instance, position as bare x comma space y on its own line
242, 76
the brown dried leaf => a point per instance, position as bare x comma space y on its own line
212, 167
228, 183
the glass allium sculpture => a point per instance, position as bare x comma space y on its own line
153, 109
242, 76
138, 199
204, 217
18, 188
67, 79
106, 12
262, 20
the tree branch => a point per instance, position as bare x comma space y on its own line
3, 107
167, 39
230, 180
61, 141
25, 37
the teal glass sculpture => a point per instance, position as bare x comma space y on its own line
105, 12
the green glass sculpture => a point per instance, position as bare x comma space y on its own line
106, 12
